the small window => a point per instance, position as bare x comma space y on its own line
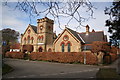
39, 40
68, 47
28, 40
62, 47
66, 38
32, 40
29, 31
49, 50
24, 41
41, 27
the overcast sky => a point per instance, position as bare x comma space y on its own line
19, 21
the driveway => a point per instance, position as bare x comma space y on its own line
40, 69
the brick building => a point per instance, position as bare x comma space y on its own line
41, 38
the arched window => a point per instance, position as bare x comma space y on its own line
24, 40
40, 39
29, 31
49, 50
69, 47
32, 40
63, 47
28, 39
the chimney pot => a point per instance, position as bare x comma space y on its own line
87, 29
93, 30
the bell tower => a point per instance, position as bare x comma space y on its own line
45, 28
45, 25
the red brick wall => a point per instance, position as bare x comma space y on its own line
16, 55
65, 57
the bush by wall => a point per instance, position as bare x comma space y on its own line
15, 55
113, 56
65, 57
113, 49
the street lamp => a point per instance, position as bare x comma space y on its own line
85, 56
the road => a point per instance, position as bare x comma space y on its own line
40, 69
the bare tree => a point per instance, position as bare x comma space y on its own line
69, 9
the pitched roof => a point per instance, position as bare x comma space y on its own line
92, 36
34, 28
105, 38
75, 34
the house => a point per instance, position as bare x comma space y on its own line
41, 38
72, 41
15, 47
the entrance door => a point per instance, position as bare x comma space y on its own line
40, 49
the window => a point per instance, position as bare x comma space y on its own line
24, 41
29, 31
40, 39
62, 47
32, 40
65, 38
41, 27
28, 39
49, 50
68, 47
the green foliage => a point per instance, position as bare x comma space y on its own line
114, 22
9, 36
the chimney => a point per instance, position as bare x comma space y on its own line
87, 30
93, 30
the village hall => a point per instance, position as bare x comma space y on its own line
41, 38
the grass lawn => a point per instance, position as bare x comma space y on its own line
106, 73
6, 68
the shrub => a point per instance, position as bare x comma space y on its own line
98, 46
113, 56
15, 55
66, 57
113, 49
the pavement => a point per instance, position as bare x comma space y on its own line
41, 69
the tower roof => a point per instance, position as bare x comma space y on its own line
45, 20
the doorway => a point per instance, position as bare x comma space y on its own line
40, 49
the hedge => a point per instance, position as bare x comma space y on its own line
15, 55
66, 57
